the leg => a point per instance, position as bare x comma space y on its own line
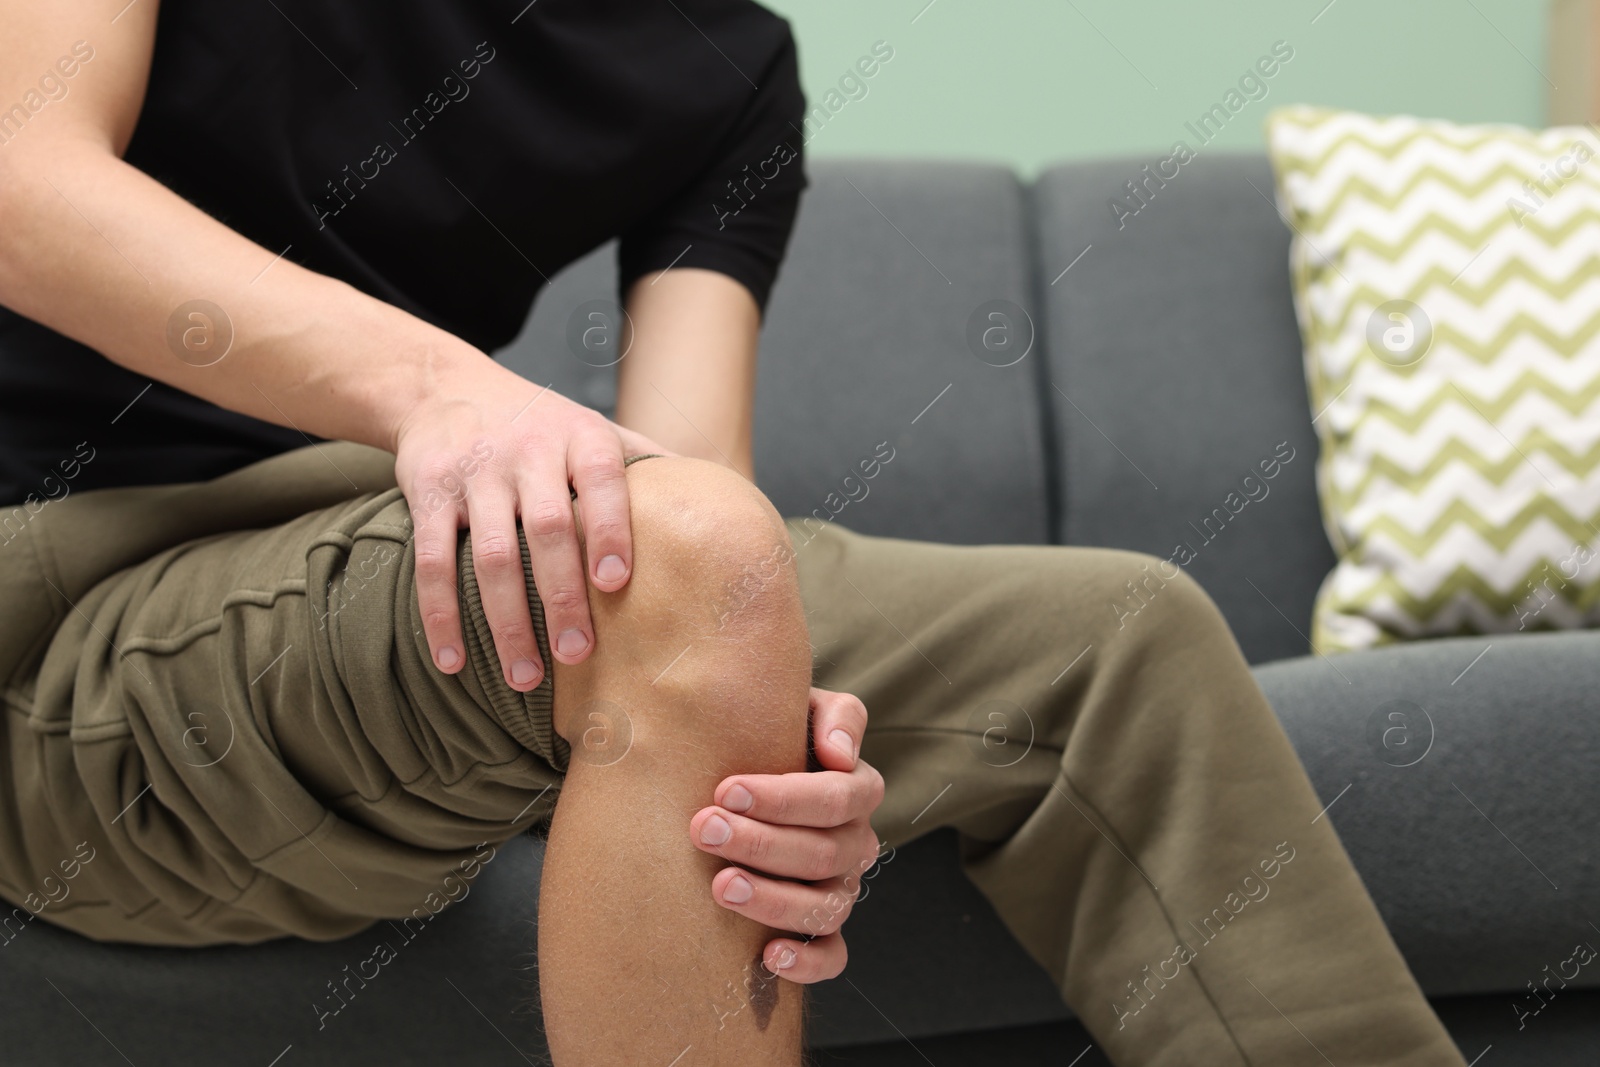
244, 730
637, 963
220, 693
1124, 794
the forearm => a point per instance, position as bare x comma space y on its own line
688, 380
101, 252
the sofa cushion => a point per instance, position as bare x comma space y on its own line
1460, 774
440, 998
865, 353
1174, 373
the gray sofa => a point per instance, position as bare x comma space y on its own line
1163, 364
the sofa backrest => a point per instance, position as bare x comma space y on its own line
1164, 367
864, 344
1175, 370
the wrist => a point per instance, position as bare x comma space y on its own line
431, 367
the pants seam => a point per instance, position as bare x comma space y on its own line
1042, 746
1112, 834
1172, 928
176, 644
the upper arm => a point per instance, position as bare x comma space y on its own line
70, 71
735, 216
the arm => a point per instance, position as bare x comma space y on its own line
689, 382
99, 251
690, 375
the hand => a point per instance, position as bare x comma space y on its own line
810, 825
489, 447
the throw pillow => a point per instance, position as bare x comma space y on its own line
1447, 283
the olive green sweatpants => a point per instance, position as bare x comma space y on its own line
223, 726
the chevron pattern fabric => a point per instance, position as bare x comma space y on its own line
1447, 283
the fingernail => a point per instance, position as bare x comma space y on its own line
738, 799
785, 959
611, 569
842, 741
448, 657
523, 672
738, 890
571, 643
715, 831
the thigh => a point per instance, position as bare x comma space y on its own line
246, 730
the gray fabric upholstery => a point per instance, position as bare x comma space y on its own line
246, 1005
544, 352
1174, 338
965, 973
1481, 855
869, 325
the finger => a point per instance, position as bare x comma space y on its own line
804, 798
497, 561
805, 962
552, 531
637, 444
838, 722
595, 462
783, 851
436, 508
799, 907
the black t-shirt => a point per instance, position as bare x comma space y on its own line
445, 157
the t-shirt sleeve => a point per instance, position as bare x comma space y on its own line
736, 215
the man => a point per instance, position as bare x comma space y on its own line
311, 221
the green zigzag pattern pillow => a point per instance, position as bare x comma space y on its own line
1447, 283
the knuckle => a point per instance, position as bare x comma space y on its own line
836, 801
820, 921
433, 558
549, 518
875, 787
781, 805
437, 619
867, 849
758, 848
514, 635
824, 857
607, 526
437, 489
587, 423
437, 470
602, 465
563, 600
768, 910
496, 551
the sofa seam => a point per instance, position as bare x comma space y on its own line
1050, 438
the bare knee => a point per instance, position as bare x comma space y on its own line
711, 556
708, 637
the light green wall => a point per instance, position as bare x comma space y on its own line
1032, 81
